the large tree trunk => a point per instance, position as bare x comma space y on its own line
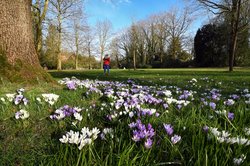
234, 31
18, 58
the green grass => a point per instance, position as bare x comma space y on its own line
180, 76
157, 74
35, 141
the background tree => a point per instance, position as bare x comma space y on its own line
79, 28
242, 57
133, 46
233, 9
62, 10
115, 53
162, 35
18, 59
39, 11
210, 45
178, 23
157, 40
103, 30
88, 44
51, 48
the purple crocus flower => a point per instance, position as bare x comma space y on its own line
212, 105
150, 131
229, 102
18, 99
18, 114
148, 143
179, 106
109, 117
71, 85
132, 125
234, 96
136, 136
205, 128
157, 114
169, 129
230, 116
165, 106
216, 96
175, 139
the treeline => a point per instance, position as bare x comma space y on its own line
64, 40
211, 45
162, 40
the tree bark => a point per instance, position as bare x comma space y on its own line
77, 47
101, 59
18, 58
39, 18
89, 52
59, 57
234, 31
134, 59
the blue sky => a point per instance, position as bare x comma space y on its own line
123, 12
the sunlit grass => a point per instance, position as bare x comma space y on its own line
35, 141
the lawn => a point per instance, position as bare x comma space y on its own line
142, 117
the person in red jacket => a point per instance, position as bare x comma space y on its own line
106, 64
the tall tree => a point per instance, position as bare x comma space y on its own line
18, 58
103, 30
39, 10
51, 46
134, 39
62, 9
178, 23
210, 45
161, 33
88, 41
233, 9
115, 52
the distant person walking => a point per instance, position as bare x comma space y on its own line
106, 64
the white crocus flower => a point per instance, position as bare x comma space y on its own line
22, 114
38, 99
247, 131
225, 134
245, 90
220, 139
50, 98
131, 114
10, 96
25, 114
95, 132
78, 109
74, 138
215, 132
85, 131
247, 102
167, 93
238, 161
64, 139
78, 116
2, 99
194, 80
